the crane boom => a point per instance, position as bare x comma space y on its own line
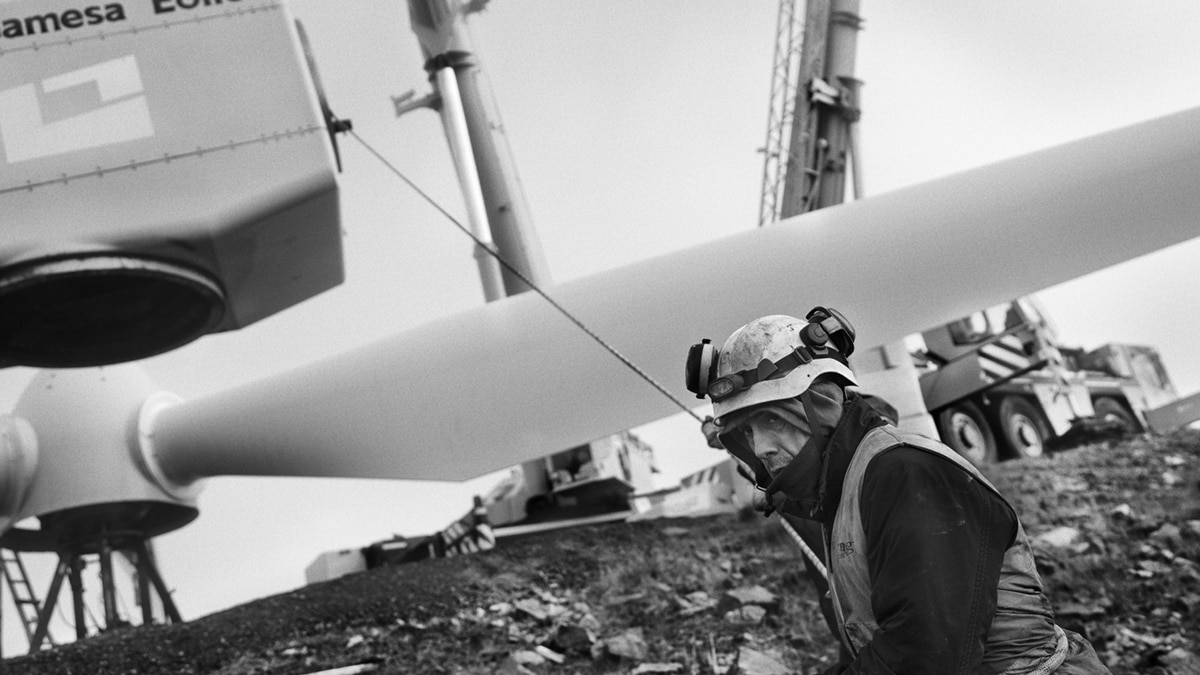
789, 41
812, 110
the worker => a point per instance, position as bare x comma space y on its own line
930, 570
809, 531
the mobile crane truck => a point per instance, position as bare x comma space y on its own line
592, 480
999, 385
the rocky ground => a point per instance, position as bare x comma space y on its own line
1116, 527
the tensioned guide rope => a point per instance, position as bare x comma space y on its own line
517, 273
571, 317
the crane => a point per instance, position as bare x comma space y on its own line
810, 124
812, 147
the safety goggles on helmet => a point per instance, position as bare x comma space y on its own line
827, 335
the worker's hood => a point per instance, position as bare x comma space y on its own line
818, 411
802, 481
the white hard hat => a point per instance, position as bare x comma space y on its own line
770, 339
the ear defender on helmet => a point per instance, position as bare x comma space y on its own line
825, 326
701, 368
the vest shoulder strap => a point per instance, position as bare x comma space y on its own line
887, 436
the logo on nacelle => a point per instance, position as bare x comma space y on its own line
122, 116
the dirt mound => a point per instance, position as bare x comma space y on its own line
1116, 528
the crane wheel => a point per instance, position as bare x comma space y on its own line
537, 508
963, 427
1111, 410
1023, 428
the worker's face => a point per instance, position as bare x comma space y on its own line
774, 440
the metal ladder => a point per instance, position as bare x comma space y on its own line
24, 598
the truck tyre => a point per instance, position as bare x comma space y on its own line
1110, 410
537, 508
963, 427
1024, 430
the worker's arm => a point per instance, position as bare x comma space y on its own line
935, 542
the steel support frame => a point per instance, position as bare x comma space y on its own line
70, 568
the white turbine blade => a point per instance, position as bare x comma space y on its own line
514, 379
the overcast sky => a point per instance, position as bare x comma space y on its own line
635, 126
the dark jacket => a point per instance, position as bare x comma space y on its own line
936, 541
924, 582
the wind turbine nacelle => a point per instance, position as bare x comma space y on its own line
165, 172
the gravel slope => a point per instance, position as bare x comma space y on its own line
1116, 528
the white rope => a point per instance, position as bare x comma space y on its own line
808, 552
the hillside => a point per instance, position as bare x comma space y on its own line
1116, 528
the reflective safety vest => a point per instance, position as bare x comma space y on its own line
1023, 638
